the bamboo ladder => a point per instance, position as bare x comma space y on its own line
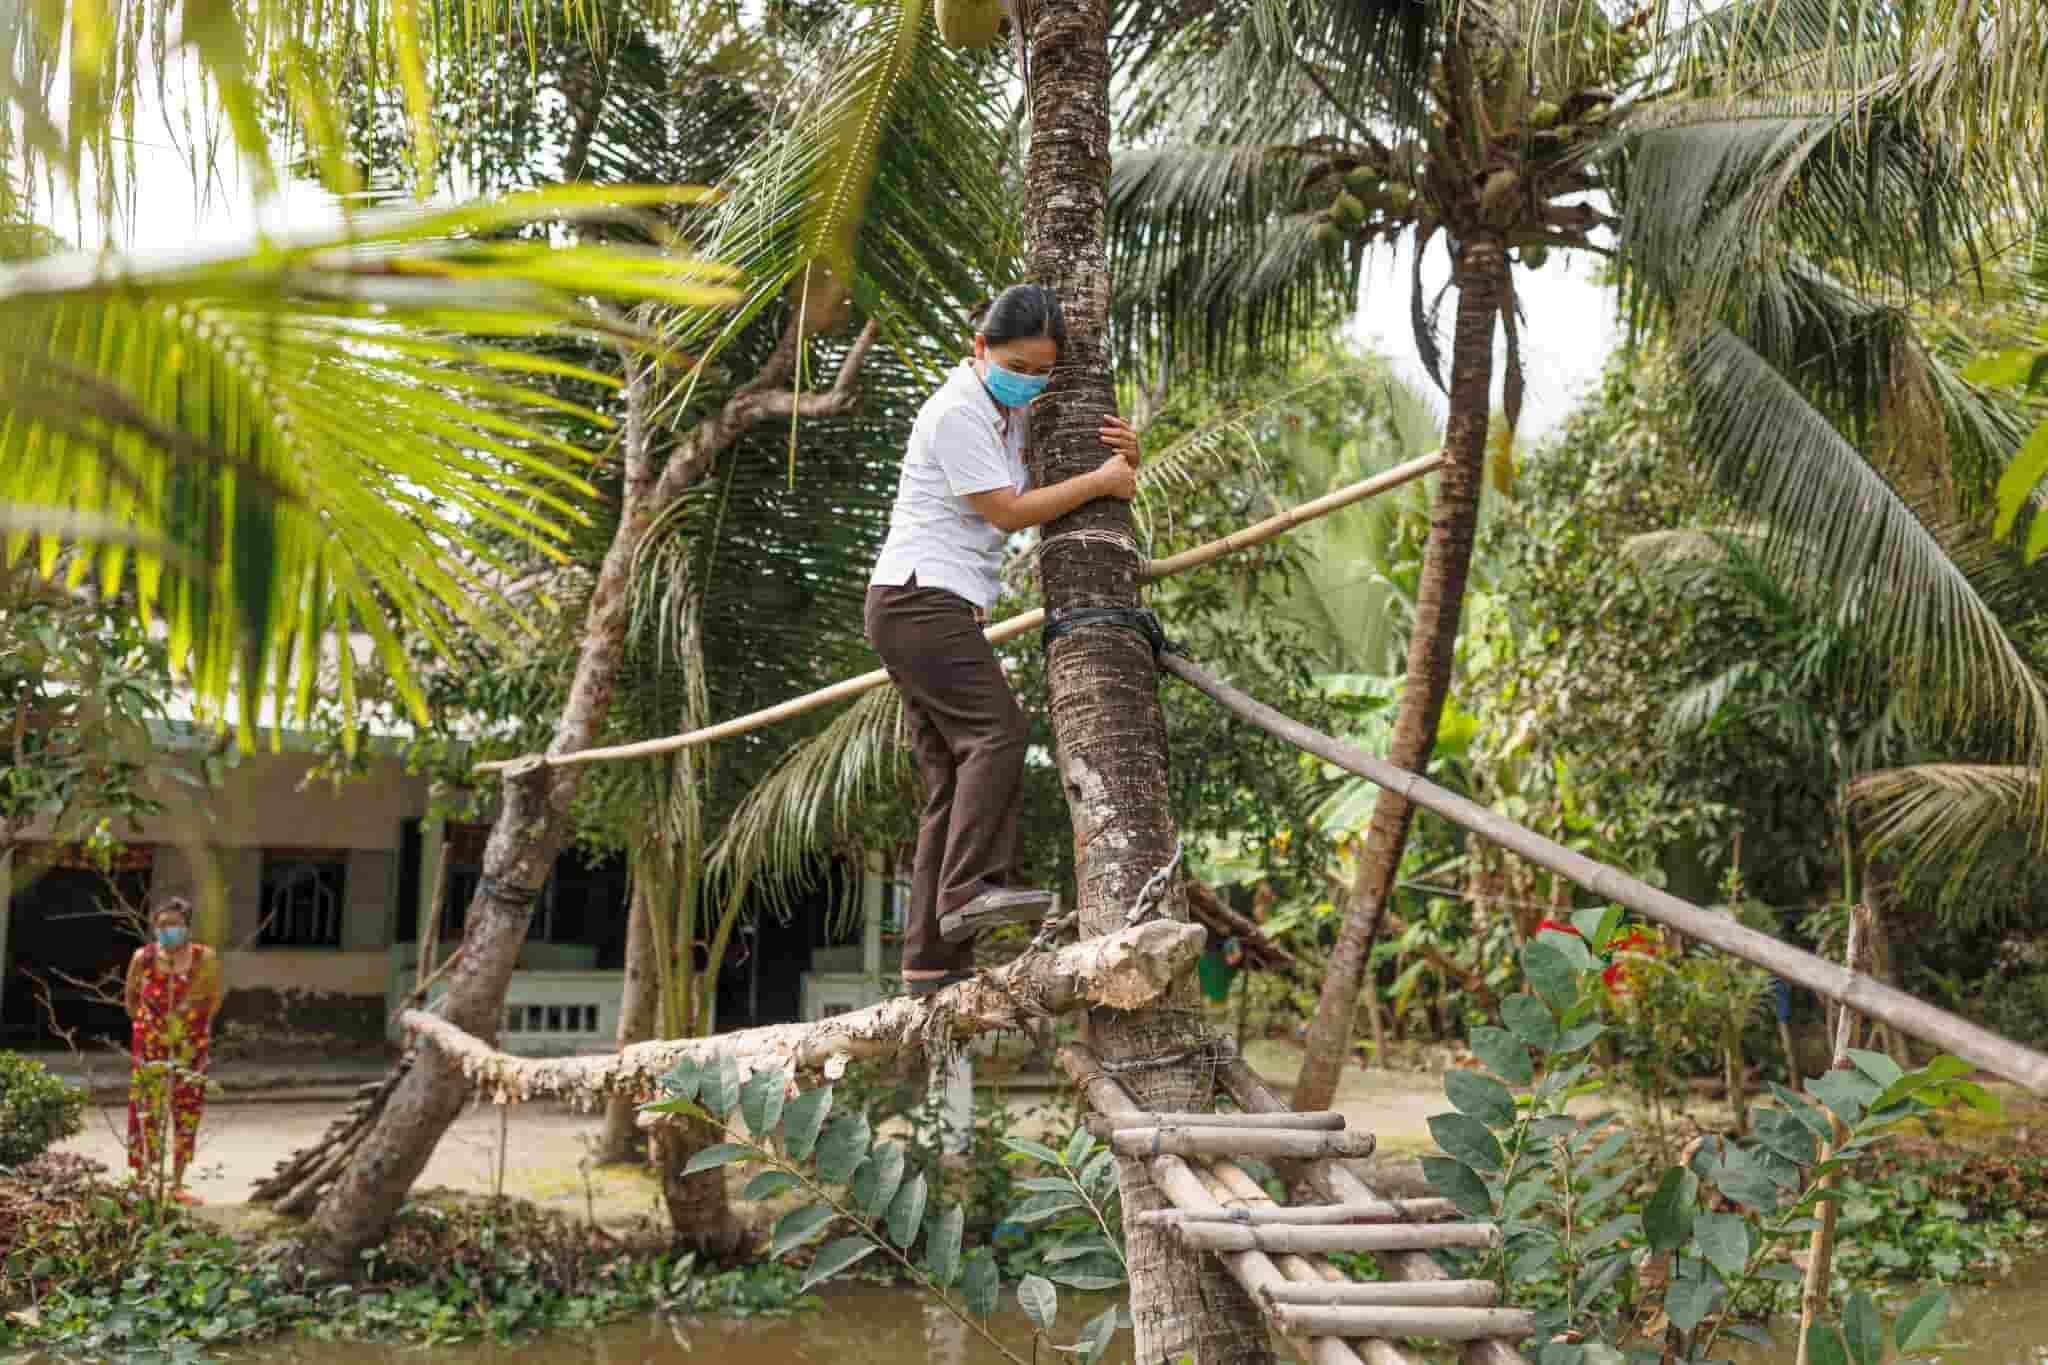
1278, 1253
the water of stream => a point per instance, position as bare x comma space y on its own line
2006, 1324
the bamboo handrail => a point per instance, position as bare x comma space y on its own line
1916, 1017
1000, 633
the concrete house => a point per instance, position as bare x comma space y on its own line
326, 891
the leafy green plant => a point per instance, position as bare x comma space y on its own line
1712, 1241
852, 1178
37, 1109
1862, 1337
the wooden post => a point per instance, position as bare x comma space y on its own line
1449, 1324
1305, 1240
1316, 1215
1264, 1143
1327, 1120
1386, 1294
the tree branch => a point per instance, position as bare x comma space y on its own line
1123, 971
760, 397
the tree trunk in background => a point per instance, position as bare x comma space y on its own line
1103, 684
622, 1141
533, 821
699, 1206
1479, 273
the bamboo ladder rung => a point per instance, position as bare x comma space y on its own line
1317, 1241
1204, 1142
1306, 1215
1321, 1120
1389, 1294
1445, 1324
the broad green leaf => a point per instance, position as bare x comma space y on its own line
1090, 1245
1824, 1346
1037, 1151
1550, 972
1687, 1302
1459, 1183
683, 1079
837, 1256
1785, 1134
1572, 1039
761, 1100
1561, 1353
713, 1157
1920, 1324
875, 1183
1668, 1218
1530, 1020
1845, 1092
1505, 1055
798, 1226
803, 1120
1743, 1177
1724, 1240
843, 1148
906, 1212
1882, 1070
1598, 926
1863, 1329
1045, 1184
1749, 1332
1096, 1336
2017, 483
1483, 1097
942, 1248
676, 1104
1077, 1148
1466, 1139
1039, 1300
1040, 1207
1535, 1260
1085, 1282
980, 1283
721, 1087
768, 1184
1571, 948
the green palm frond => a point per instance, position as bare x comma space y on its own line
340, 428
1971, 827
1841, 533
774, 834
885, 161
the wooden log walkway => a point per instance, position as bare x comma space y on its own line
1279, 1254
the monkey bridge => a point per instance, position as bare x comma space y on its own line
1277, 1253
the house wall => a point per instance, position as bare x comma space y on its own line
266, 802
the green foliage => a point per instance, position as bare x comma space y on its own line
1609, 1266
110, 1273
854, 1180
37, 1109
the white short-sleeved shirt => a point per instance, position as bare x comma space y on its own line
957, 448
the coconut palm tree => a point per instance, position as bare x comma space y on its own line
1774, 183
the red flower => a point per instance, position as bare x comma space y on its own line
1615, 976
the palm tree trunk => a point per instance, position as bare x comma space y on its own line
621, 1140
1479, 272
1103, 683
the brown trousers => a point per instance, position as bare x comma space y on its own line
969, 736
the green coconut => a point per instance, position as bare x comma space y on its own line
1328, 235
1545, 115
1361, 179
969, 23
1535, 256
1348, 209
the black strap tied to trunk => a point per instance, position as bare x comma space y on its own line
1139, 619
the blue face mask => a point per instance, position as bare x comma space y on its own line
172, 936
1011, 389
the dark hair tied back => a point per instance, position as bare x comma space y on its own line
1022, 310
174, 905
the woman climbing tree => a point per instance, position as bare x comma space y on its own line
964, 489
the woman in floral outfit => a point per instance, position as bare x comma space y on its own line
174, 987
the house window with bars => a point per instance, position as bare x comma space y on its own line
303, 895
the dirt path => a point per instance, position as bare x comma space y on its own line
543, 1147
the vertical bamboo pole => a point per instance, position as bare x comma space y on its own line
1820, 1256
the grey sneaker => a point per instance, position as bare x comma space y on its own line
1001, 906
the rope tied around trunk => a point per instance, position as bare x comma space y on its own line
518, 897
1140, 619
